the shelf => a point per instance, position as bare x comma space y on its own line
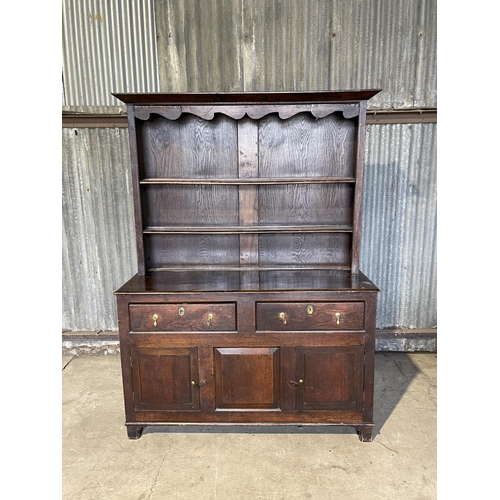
246, 229
221, 267
251, 180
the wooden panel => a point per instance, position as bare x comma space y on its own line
304, 146
247, 378
306, 204
167, 250
301, 248
135, 164
190, 205
358, 193
182, 317
248, 195
325, 316
332, 378
189, 147
163, 378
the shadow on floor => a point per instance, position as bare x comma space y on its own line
394, 372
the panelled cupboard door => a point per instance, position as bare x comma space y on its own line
329, 378
247, 378
165, 378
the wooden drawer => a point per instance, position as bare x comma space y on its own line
182, 317
310, 316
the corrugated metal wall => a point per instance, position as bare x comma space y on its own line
98, 231
224, 45
108, 46
252, 45
398, 245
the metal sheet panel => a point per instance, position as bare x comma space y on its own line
108, 46
252, 45
98, 232
398, 249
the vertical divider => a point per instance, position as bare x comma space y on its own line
358, 189
248, 196
136, 188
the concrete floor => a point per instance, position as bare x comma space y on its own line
100, 462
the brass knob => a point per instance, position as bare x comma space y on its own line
301, 380
201, 383
155, 319
209, 318
310, 309
337, 315
282, 317
181, 311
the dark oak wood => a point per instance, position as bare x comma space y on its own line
246, 98
247, 378
329, 378
165, 378
310, 316
184, 317
248, 306
134, 431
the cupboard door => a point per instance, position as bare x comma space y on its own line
329, 378
247, 378
165, 378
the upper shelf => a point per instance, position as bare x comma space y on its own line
251, 180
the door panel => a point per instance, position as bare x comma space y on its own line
165, 378
247, 378
329, 378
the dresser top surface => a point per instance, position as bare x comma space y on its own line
247, 281
246, 98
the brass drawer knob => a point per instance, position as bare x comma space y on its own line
209, 318
310, 309
201, 383
337, 315
181, 311
282, 317
155, 320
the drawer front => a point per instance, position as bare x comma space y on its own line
310, 316
182, 317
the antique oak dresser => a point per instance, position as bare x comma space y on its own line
249, 306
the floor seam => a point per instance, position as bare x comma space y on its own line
64, 367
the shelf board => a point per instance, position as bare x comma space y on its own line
246, 229
251, 180
222, 267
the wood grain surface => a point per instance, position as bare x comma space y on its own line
189, 147
302, 248
304, 146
